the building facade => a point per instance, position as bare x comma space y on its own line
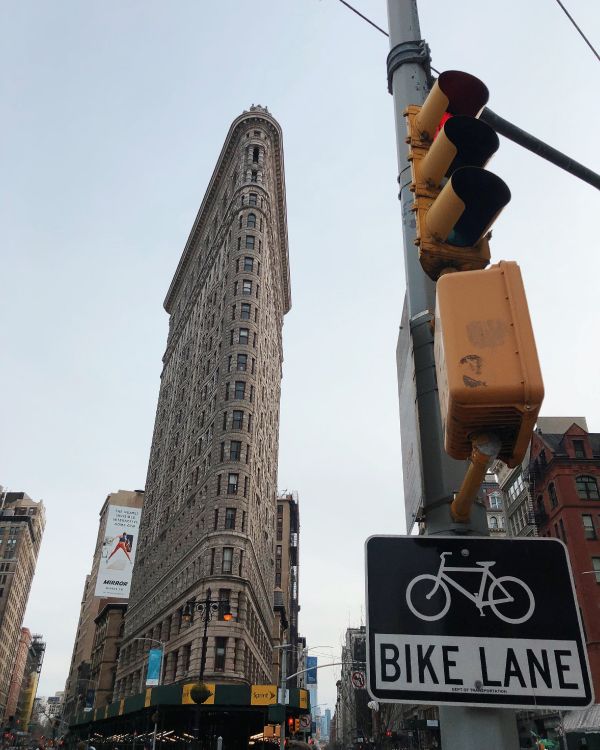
287, 558
494, 506
565, 482
31, 678
354, 723
210, 508
22, 522
18, 673
81, 684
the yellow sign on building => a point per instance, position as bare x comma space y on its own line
263, 695
303, 698
186, 698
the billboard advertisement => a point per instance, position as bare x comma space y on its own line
311, 670
118, 551
154, 662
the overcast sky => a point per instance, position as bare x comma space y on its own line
113, 115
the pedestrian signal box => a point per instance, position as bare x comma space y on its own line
488, 372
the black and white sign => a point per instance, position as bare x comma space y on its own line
474, 621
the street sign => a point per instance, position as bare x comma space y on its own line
263, 695
358, 679
474, 621
305, 722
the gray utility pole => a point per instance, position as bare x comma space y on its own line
441, 476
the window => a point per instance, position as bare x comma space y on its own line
235, 450
224, 607
255, 153
252, 199
596, 564
243, 337
495, 501
242, 362
587, 488
232, 484
212, 561
251, 221
238, 420
245, 311
185, 657
250, 242
579, 448
516, 488
216, 519
230, 518
563, 533
552, 496
588, 527
493, 522
227, 559
246, 286
248, 264
240, 389
220, 647
254, 176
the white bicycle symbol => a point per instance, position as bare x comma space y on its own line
426, 585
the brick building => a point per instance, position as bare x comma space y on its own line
564, 484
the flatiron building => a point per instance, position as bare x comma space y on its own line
209, 517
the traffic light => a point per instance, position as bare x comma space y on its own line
290, 725
456, 200
488, 373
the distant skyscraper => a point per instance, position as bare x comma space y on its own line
22, 522
111, 560
209, 514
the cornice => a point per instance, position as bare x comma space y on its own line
256, 114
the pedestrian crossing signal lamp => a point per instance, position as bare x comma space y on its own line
456, 199
488, 373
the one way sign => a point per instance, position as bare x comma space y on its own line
474, 621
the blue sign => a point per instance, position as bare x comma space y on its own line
311, 674
154, 662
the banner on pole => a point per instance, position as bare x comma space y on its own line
154, 664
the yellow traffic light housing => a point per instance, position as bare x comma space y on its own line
488, 373
456, 200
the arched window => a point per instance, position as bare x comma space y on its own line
587, 488
493, 522
255, 153
251, 221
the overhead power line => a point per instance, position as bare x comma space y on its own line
583, 36
515, 134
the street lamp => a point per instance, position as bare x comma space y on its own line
207, 608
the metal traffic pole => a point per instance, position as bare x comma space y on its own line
462, 728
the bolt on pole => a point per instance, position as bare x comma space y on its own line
441, 476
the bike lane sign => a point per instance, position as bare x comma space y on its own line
474, 621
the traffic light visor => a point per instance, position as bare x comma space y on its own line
467, 207
454, 92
